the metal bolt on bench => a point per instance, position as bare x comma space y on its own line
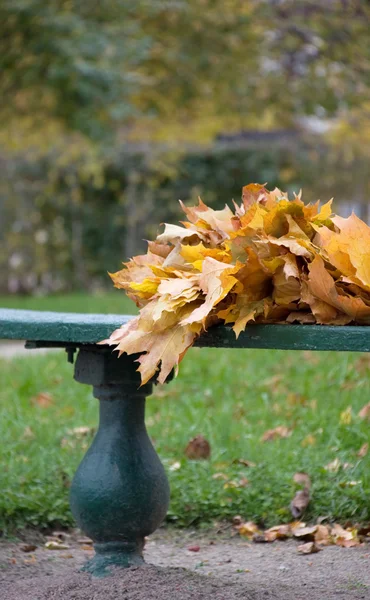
120, 492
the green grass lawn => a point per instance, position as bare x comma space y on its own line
231, 397
114, 301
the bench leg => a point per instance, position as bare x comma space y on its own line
120, 492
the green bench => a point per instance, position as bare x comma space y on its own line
120, 492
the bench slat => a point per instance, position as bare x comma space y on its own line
77, 328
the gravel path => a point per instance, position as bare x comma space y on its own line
221, 569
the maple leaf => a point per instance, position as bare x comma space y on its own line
216, 281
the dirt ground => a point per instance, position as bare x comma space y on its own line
223, 568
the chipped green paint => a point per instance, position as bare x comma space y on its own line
120, 492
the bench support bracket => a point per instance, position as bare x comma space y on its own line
120, 492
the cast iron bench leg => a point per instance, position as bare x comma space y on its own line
120, 492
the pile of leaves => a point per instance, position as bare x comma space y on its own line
313, 538
270, 260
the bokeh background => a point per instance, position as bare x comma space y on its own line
112, 111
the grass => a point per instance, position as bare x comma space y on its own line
231, 397
114, 301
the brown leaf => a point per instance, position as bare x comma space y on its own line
299, 503
28, 547
279, 532
302, 479
198, 448
43, 399
322, 535
346, 538
248, 529
278, 432
363, 450
365, 412
306, 533
309, 548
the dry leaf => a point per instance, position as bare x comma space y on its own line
244, 462
43, 399
309, 548
198, 448
346, 538
322, 535
363, 450
306, 533
302, 498
333, 466
278, 432
248, 529
279, 532
28, 547
299, 503
51, 545
81, 431
365, 411
302, 479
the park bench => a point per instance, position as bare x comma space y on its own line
120, 492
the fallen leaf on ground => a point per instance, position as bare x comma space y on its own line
363, 450
81, 431
279, 532
306, 533
175, 466
248, 529
302, 479
278, 432
28, 547
346, 538
309, 548
198, 448
244, 462
43, 400
302, 498
365, 412
322, 535
56, 546
333, 466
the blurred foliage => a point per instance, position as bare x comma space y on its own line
93, 67
65, 231
105, 107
